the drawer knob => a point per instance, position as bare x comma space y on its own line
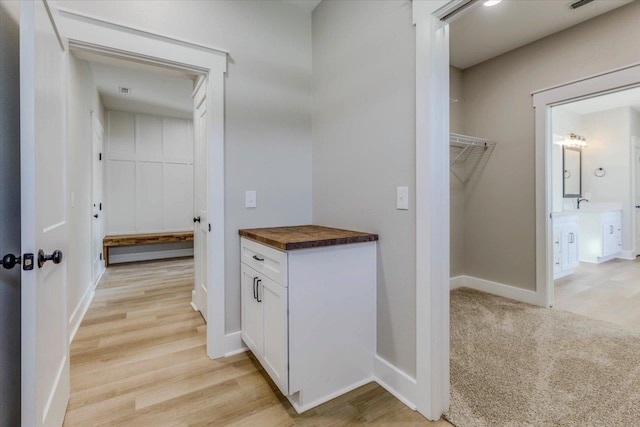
257, 258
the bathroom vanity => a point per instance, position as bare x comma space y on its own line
601, 235
308, 301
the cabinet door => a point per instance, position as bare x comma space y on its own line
573, 260
251, 318
557, 250
610, 239
276, 332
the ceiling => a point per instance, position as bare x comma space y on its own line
624, 98
307, 5
484, 32
152, 91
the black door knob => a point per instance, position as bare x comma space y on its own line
196, 219
56, 257
95, 215
10, 260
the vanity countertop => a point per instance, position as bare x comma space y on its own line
305, 236
590, 210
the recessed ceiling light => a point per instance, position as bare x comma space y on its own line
491, 2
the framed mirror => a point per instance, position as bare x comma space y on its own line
572, 166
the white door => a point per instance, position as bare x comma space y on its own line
635, 150
201, 191
97, 209
45, 343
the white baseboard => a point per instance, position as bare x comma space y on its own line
395, 381
233, 344
628, 255
456, 282
499, 289
147, 256
81, 309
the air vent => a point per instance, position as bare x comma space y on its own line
580, 3
124, 90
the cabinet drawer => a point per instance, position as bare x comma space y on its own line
268, 261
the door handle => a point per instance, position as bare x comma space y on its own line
10, 260
258, 258
255, 297
56, 257
258, 290
95, 215
196, 219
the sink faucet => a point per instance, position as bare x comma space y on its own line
581, 200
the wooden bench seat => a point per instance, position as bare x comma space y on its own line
142, 239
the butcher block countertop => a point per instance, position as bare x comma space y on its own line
305, 236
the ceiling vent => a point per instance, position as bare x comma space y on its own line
124, 90
579, 3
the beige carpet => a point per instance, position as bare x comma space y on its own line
513, 364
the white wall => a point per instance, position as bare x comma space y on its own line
149, 174
364, 147
267, 106
82, 98
608, 134
9, 212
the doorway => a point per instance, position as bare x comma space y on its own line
593, 168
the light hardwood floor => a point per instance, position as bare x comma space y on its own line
608, 291
139, 359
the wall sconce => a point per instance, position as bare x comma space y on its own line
573, 140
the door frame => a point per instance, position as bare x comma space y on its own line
635, 194
96, 35
432, 382
543, 100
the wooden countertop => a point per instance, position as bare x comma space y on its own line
305, 236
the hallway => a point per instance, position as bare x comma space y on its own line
139, 359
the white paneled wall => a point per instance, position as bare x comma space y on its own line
149, 173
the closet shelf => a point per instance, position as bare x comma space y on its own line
469, 145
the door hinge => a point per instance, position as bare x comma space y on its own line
209, 227
100, 206
27, 262
99, 156
100, 256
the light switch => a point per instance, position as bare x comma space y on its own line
402, 198
250, 199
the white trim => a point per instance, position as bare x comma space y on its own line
107, 38
432, 210
233, 344
148, 256
81, 309
635, 170
141, 31
456, 282
302, 408
495, 288
542, 102
628, 255
395, 381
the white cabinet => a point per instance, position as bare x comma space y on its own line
264, 323
565, 245
309, 317
601, 235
